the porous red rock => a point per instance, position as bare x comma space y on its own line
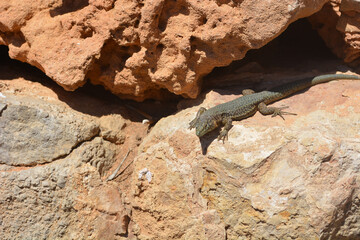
141, 49
338, 24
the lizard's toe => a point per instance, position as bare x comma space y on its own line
222, 136
279, 112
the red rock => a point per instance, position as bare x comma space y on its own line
338, 24
142, 49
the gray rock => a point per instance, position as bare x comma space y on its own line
41, 198
99, 153
34, 132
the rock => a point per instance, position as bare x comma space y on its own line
337, 23
51, 206
34, 133
145, 49
111, 128
2, 107
52, 160
98, 153
272, 179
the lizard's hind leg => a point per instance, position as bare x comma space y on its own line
275, 111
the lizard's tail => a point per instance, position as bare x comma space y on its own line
293, 87
330, 77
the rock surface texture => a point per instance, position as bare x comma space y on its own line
273, 179
143, 49
339, 21
54, 162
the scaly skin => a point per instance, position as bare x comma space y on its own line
247, 105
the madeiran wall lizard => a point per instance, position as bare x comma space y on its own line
207, 120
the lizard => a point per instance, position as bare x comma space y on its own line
207, 120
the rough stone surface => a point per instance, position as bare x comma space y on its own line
339, 26
273, 179
111, 128
137, 49
54, 161
34, 132
54, 201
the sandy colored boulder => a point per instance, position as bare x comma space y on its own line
273, 179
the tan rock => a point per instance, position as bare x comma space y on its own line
272, 179
142, 49
111, 127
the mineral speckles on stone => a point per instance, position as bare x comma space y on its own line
145, 172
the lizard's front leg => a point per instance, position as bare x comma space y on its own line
193, 123
275, 111
227, 126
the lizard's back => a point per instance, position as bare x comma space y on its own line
241, 107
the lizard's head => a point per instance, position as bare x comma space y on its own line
205, 125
